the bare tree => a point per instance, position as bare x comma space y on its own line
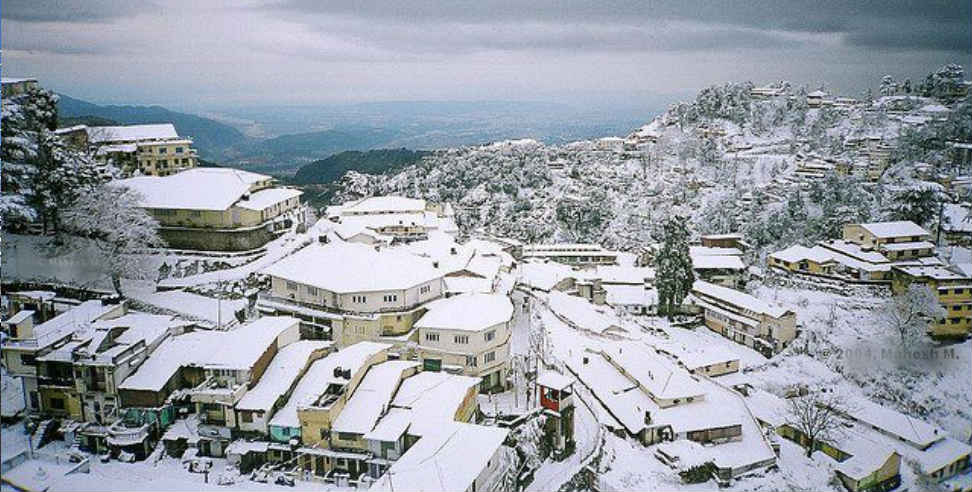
816, 415
910, 313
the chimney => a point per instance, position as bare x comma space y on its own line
435, 264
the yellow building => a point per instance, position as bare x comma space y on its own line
218, 208
155, 149
743, 318
954, 290
353, 291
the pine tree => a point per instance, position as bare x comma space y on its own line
673, 267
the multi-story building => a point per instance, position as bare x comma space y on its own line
218, 208
571, 254
155, 149
468, 334
745, 319
403, 219
953, 288
352, 291
45, 388
900, 240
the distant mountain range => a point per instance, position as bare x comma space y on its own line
210, 137
307, 135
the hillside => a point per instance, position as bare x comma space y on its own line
379, 161
727, 160
211, 138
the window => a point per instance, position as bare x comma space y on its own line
346, 436
291, 285
312, 290
431, 337
162, 150
490, 335
470, 361
390, 298
359, 299
489, 357
178, 150
57, 403
425, 289
163, 163
246, 416
461, 339
195, 213
28, 359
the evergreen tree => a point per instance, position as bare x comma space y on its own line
673, 267
919, 204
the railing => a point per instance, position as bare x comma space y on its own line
55, 381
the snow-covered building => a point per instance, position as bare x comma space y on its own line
904, 238
468, 334
743, 318
580, 314
21, 353
353, 291
953, 287
219, 209
650, 397
719, 265
154, 149
403, 219
271, 392
322, 393
958, 224
571, 254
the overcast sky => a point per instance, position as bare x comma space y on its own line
213, 53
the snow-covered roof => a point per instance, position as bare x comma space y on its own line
391, 426
853, 250
544, 276
630, 295
433, 398
242, 347
907, 246
448, 460
207, 188
656, 373
371, 397
351, 267
959, 219
619, 274
910, 429
554, 380
936, 272
467, 312
713, 251
20, 317
581, 313
66, 323
384, 204
321, 373
724, 262
16, 80
894, 229
797, 253
934, 108
233, 349
467, 285
264, 199
738, 298
280, 374
131, 133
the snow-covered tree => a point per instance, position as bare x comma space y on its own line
888, 86
919, 204
41, 176
673, 266
817, 416
910, 314
110, 218
943, 83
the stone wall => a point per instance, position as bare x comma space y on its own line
216, 240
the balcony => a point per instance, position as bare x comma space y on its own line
124, 434
57, 381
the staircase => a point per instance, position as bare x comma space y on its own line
44, 433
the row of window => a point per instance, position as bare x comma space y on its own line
472, 360
162, 150
459, 339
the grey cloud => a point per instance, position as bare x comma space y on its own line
861, 22
82, 11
